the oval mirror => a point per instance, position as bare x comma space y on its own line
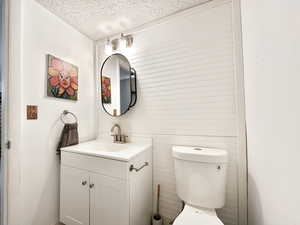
118, 85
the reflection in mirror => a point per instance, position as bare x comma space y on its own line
116, 85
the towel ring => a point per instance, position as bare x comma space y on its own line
64, 113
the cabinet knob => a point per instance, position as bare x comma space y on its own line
84, 182
92, 185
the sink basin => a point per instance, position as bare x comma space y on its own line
106, 149
102, 146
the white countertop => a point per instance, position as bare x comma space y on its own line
106, 149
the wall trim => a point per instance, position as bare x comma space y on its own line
4, 110
240, 99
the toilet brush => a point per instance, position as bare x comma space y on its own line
157, 219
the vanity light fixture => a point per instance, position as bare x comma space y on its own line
118, 44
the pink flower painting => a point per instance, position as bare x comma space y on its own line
62, 79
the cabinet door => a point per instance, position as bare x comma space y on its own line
74, 196
109, 199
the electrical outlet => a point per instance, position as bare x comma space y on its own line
32, 112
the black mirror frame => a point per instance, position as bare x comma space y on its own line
133, 86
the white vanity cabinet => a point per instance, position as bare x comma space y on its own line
103, 191
75, 195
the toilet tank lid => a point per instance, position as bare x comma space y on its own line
200, 154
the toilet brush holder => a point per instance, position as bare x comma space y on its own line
157, 220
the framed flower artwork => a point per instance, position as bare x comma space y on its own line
62, 79
106, 90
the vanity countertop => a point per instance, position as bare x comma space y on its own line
106, 149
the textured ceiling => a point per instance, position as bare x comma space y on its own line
101, 18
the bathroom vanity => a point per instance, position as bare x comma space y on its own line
104, 183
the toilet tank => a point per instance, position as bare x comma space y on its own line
200, 175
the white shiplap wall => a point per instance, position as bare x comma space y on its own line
186, 94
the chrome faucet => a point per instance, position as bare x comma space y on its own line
119, 137
116, 126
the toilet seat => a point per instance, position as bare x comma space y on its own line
193, 216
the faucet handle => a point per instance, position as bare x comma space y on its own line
124, 138
115, 136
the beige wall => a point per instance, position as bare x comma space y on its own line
271, 60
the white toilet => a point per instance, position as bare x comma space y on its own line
200, 183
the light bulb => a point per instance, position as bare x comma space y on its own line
129, 51
108, 48
123, 43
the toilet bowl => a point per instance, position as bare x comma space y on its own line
193, 216
200, 183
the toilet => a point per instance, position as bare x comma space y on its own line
200, 183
